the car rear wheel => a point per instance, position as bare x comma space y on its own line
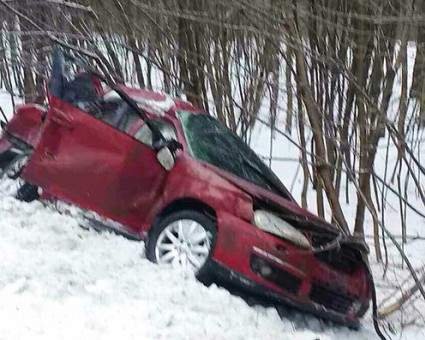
6, 157
183, 239
17, 187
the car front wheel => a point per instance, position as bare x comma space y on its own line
183, 239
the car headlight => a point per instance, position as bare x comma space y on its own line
273, 224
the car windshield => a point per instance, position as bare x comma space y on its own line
211, 142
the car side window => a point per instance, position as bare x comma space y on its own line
144, 134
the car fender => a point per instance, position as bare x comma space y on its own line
26, 123
189, 179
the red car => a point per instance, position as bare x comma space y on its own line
160, 170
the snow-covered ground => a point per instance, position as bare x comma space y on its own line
59, 281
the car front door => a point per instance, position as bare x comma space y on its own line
85, 161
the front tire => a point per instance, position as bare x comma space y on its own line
183, 239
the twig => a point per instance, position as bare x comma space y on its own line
4, 115
102, 63
405, 296
63, 3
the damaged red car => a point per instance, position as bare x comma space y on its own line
158, 169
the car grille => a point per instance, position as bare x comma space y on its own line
330, 298
344, 260
272, 273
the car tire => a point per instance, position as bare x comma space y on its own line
193, 221
6, 158
27, 193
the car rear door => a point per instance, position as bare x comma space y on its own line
85, 161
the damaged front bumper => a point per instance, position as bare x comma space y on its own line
247, 288
275, 271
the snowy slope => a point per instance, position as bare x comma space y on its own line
59, 281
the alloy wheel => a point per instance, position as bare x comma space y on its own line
184, 243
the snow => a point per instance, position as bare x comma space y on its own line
60, 281
159, 107
6, 103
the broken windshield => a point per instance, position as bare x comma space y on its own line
213, 143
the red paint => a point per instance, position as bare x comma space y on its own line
87, 162
26, 123
4, 145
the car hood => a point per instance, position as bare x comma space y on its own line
289, 207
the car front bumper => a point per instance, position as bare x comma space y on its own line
275, 271
247, 288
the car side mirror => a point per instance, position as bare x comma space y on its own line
166, 155
2, 124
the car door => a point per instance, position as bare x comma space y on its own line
85, 161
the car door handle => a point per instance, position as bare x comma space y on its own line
49, 155
62, 119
